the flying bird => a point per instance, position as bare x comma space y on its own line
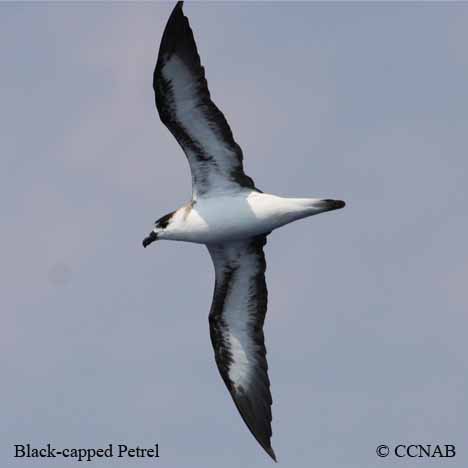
228, 214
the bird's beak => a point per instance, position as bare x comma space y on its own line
151, 238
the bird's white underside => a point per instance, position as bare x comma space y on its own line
229, 219
230, 216
236, 216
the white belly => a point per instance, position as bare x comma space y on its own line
221, 219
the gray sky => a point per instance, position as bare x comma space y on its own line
103, 341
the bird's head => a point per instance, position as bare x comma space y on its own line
159, 227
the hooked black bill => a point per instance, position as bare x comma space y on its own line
151, 238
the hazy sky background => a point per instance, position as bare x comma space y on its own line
103, 341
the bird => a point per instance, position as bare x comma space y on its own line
228, 214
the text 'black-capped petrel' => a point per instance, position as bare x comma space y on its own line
230, 216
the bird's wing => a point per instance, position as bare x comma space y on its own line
236, 328
184, 106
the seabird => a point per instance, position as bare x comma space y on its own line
228, 214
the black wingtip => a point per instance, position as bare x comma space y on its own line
270, 452
175, 29
175, 13
178, 8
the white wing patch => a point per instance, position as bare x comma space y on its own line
185, 107
240, 319
236, 327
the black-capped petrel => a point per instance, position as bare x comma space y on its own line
230, 216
